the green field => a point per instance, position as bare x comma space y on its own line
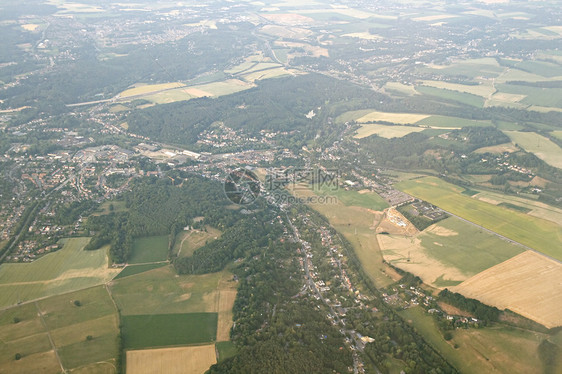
226, 350
485, 350
451, 122
536, 233
461, 97
70, 268
163, 291
542, 147
471, 250
137, 269
68, 325
161, 330
557, 134
149, 249
366, 199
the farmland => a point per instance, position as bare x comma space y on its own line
385, 131
161, 330
68, 325
364, 198
542, 147
149, 249
143, 89
70, 268
137, 269
447, 252
180, 360
531, 231
398, 118
508, 285
498, 349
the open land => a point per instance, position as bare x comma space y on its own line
528, 284
149, 249
70, 268
537, 144
528, 230
179, 360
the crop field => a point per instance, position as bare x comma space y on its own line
143, 89
225, 350
225, 316
385, 131
461, 97
448, 252
161, 330
544, 97
557, 134
473, 68
149, 249
137, 269
180, 360
398, 118
483, 90
537, 144
486, 350
528, 284
70, 268
267, 74
188, 241
68, 326
363, 35
528, 230
161, 291
535, 208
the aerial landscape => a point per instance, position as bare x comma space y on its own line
315, 186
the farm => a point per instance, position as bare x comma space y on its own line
161, 330
83, 326
531, 231
145, 89
497, 349
447, 253
508, 286
537, 144
70, 268
179, 360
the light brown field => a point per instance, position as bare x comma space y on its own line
226, 303
363, 35
182, 360
529, 284
286, 32
496, 149
434, 17
314, 51
397, 250
141, 89
398, 118
389, 224
30, 26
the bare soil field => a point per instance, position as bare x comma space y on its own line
528, 284
182, 360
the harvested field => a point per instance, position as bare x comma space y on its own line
542, 147
226, 303
498, 149
528, 284
143, 89
398, 118
181, 360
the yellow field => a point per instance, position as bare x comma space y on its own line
398, 118
143, 89
314, 50
226, 303
528, 284
214, 89
557, 134
266, 74
385, 131
44, 362
542, 147
30, 26
483, 90
182, 360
